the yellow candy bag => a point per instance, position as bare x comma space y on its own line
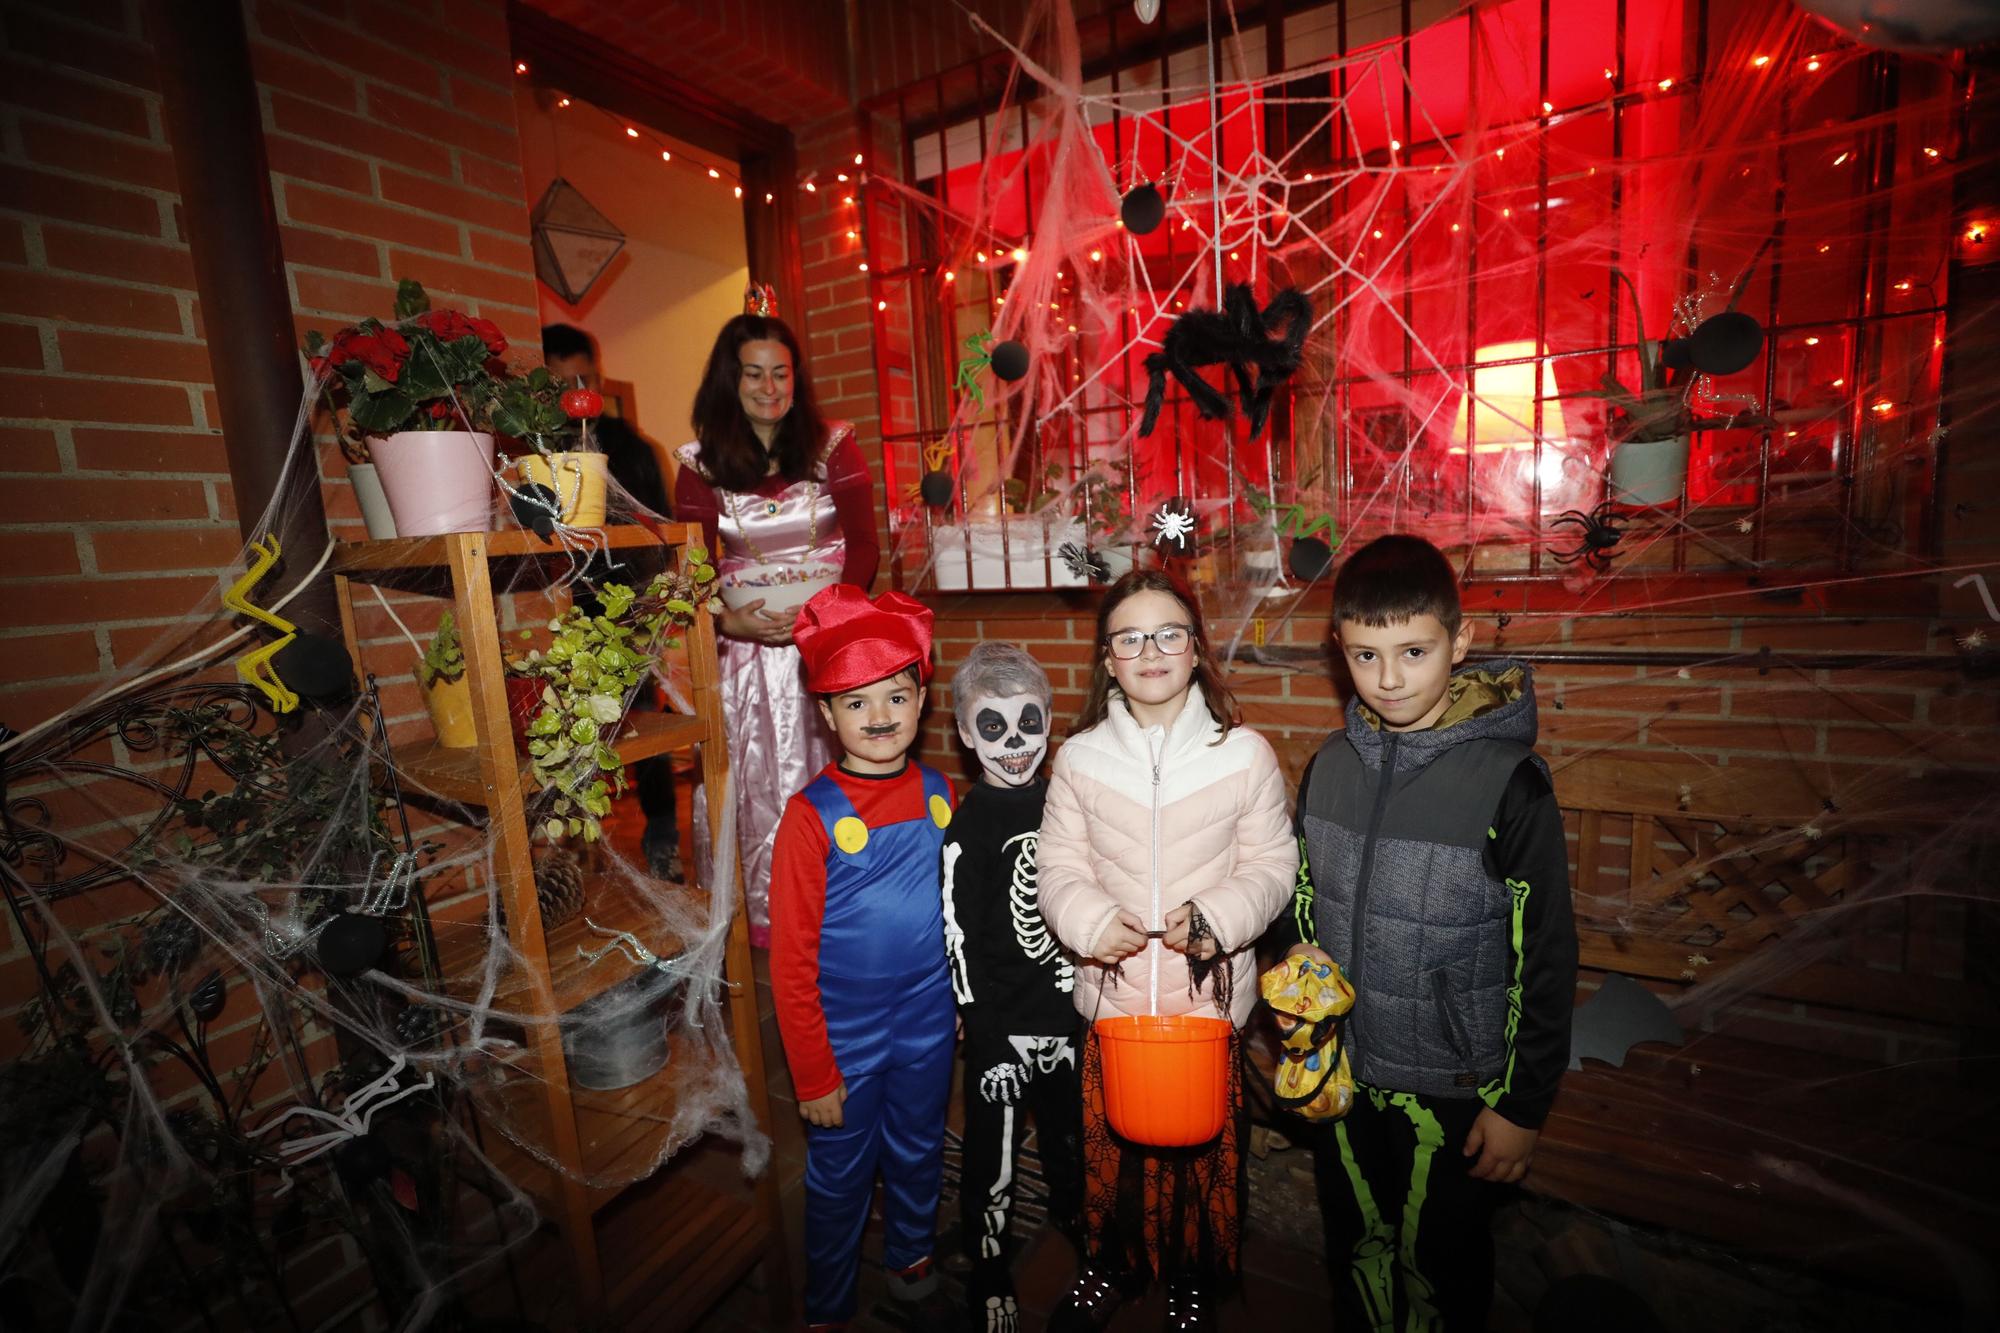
1311, 999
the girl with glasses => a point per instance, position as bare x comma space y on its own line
1166, 848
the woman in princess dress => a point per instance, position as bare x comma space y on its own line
788, 507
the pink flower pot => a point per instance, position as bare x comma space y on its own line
436, 480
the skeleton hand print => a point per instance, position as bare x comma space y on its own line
1042, 1055
1002, 1084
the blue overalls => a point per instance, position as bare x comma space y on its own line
890, 1018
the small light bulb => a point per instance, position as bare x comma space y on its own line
811, 188
857, 159
950, 276
1020, 255
1378, 233
980, 255
1837, 383
881, 305
1395, 146
739, 192
864, 267
520, 67
1930, 152
852, 235
1548, 107
1760, 61
1812, 342
770, 198
1885, 407
1813, 64
1666, 84
847, 199
714, 175
631, 133
563, 102
666, 156
841, 176
1096, 255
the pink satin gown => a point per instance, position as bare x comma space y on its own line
774, 537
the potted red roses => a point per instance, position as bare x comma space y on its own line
421, 392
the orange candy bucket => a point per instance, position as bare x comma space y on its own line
1166, 1080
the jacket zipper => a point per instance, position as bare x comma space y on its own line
1153, 946
1367, 872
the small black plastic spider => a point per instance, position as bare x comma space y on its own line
1598, 535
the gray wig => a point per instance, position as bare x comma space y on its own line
996, 671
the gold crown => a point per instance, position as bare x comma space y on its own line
760, 298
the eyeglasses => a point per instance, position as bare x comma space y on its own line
1172, 640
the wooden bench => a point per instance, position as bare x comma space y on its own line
1836, 1101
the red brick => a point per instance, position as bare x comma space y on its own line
60, 398
359, 217
144, 643
54, 93
156, 263
107, 156
318, 249
502, 251
447, 47
142, 550
1830, 705
392, 106
87, 353
27, 704
94, 51
37, 555
46, 296
293, 115
103, 499
13, 242
87, 601
148, 451
320, 165
493, 177
46, 656
1773, 737
28, 449
493, 105
50, 196
1649, 632
302, 27
442, 276
281, 66
343, 298
21, 347
1809, 634
449, 201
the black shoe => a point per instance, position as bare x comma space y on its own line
1088, 1304
989, 1300
1187, 1307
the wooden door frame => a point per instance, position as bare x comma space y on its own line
559, 55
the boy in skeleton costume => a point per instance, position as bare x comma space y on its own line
1011, 978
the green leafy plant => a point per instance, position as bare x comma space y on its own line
529, 408
444, 658
588, 673
424, 371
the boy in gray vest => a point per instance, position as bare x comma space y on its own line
1433, 869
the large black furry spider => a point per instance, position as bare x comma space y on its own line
1598, 535
1240, 337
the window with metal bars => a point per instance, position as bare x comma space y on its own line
1473, 203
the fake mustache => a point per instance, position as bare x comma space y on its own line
882, 729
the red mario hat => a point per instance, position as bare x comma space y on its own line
849, 641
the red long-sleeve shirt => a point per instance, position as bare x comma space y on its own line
798, 905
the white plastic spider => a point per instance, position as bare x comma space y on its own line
356, 1115
1173, 525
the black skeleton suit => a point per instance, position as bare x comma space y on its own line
1022, 1046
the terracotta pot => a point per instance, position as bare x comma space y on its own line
1166, 1080
375, 512
436, 480
577, 478
450, 705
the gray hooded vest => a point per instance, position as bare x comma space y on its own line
1395, 826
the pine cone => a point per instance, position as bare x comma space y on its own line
558, 888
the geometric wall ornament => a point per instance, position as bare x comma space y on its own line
573, 242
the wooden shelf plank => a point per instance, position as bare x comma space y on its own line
454, 773
611, 905
362, 558
677, 1244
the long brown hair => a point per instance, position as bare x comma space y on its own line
730, 451
1097, 701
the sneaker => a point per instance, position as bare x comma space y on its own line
663, 859
1187, 1308
1088, 1304
921, 1302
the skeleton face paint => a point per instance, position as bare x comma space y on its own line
1010, 736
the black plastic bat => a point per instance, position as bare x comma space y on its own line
1620, 1016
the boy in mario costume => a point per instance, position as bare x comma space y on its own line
858, 966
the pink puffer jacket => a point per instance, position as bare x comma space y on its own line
1147, 819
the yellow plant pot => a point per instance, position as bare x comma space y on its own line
450, 705
577, 479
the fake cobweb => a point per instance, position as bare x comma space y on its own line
1473, 212
287, 1023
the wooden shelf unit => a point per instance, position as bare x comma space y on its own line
660, 1251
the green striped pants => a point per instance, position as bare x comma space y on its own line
1408, 1232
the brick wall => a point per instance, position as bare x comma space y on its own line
390, 131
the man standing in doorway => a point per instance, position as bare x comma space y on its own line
571, 357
